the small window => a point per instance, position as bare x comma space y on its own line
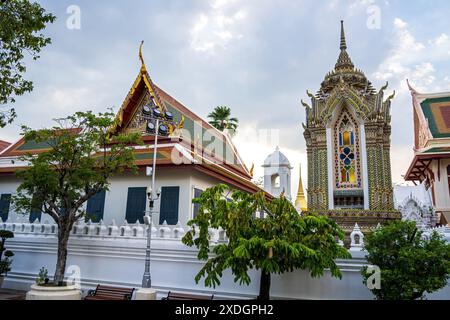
96, 206
136, 202
170, 197
276, 181
196, 206
36, 210
5, 201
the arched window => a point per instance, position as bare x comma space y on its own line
276, 181
346, 140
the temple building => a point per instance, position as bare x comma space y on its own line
431, 163
347, 135
186, 164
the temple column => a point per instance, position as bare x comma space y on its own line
330, 169
365, 173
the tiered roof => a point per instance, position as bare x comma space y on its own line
431, 113
348, 83
215, 156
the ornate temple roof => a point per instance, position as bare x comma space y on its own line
347, 85
220, 160
4, 145
344, 71
431, 114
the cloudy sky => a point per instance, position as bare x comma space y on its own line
256, 56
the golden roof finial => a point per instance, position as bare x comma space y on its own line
140, 54
251, 170
141, 57
300, 201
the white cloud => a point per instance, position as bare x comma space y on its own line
413, 60
217, 27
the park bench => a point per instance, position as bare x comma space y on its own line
109, 293
183, 296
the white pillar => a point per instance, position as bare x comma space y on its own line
364, 166
330, 169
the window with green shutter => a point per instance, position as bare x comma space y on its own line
36, 210
196, 206
169, 205
5, 201
136, 202
95, 207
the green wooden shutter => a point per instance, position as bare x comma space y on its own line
169, 205
197, 194
136, 204
96, 206
5, 201
35, 212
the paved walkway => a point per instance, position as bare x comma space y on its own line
6, 294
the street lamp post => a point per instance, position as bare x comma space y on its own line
148, 219
157, 123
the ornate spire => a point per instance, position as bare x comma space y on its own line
343, 43
344, 61
344, 72
300, 202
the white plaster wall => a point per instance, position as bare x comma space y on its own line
199, 181
9, 185
442, 193
120, 262
116, 197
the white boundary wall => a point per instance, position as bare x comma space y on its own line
115, 255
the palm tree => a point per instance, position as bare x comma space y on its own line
221, 119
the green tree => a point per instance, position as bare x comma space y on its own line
410, 265
21, 23
281, 242
221, 119
5, 264
82, 156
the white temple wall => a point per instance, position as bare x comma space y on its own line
9, 185
442, 192
199, 181
117, 258
116, 196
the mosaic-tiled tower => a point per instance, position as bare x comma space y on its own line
347, 134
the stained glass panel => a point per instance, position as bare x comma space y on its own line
347, 165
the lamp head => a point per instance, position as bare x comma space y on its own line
149, 191
158, 193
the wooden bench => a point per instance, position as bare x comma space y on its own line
109, 293
183, 296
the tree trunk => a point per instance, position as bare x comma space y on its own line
63, 238
264, 286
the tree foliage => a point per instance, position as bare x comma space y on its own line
221, 119
82, 156
281, 242
21, 23
410, 263
5, 263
